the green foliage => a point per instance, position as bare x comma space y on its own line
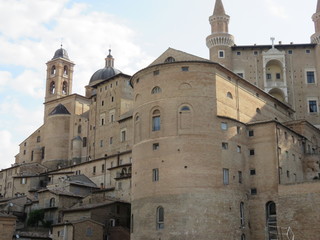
35, 217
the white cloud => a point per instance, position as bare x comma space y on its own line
8, 149
277, 9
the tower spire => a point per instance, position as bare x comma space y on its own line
219, 9
315, 38
109, 60
220, 41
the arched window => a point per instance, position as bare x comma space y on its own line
160, 218
243, 237
156, 120
229, 95
64, 87
271, 215
169, 60
65, 70
53, 70
185, 108
52, 87
79, 129
242, 221
123, 171
156, 90
52, 202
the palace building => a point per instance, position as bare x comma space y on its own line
186, 148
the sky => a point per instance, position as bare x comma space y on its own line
137, 32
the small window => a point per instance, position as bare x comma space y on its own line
89, 232
52, 202
185, 69
112, 99
110, 140
255, 53
252, 172
53, 70
240, 74
169, 60
239, 149
155, 175
38, 139
224, 126
240, 176
310, 77
251, 152
278, 76
185, 108
253, 191
155, 73
156, 90
123, 136
102, 103
23, 181
238, 130
268, 76
94, 170
221, 54
229, 95
84, 142
225, 176
155, 146
242, 222
224, 145
238, 53
313, 106
101, 143
243, 237
102, 168
258, 110
290, 51
160, 218
250, 133
65, 70
288, 174
308, 51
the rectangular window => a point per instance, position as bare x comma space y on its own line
313, 108
252, 172
23, 180
155, 146
224, 145
224, 126
250, 133
238, 53
84, 142
185, 69
251, 152
240, 176
225, 176
89, 232
278, 76
156, 123
221, 54
155, 175
94, 170
253, 191
102, 168
255, 53
308, 51
290, 51
123, 136
268, 76
310, 77
101, 143
238, 130
110, 140
156, 72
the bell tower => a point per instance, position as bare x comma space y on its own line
220, 41
59, 76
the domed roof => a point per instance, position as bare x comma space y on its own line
107, 72
104, 73
60, 109
61, 53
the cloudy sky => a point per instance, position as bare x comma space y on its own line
137, 31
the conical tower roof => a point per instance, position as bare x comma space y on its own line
219, 9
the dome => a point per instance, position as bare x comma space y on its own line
61, 53
104, 73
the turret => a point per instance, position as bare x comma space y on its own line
220, 41
315, 38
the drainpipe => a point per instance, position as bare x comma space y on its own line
278, 158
